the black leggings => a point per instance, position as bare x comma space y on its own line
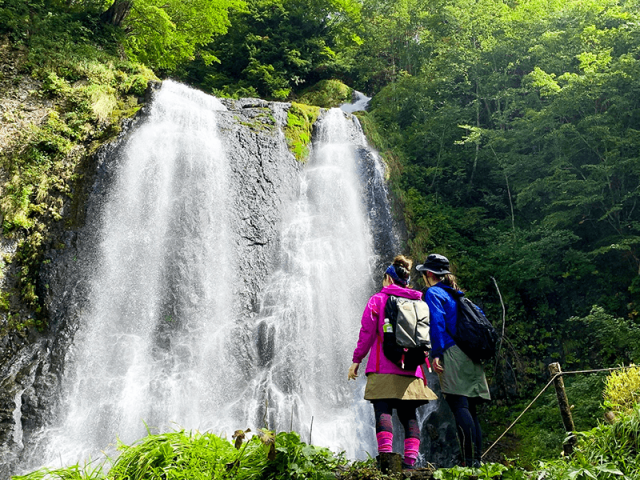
406, 410
469, 432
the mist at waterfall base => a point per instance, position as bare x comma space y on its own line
157, 347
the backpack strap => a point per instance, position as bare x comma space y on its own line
379, 337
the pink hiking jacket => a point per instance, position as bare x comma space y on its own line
370, 338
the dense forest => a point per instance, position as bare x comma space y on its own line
511, 129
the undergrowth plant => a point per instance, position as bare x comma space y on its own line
622, 390
186, 455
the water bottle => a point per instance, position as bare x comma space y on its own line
387, 327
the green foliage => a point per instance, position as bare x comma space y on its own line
486, 471
395, 41
362, 470
300, 119
4, 301
278, 47
192, 455
90, 90
540, 432
74, 472
607, 339
622, 390
163, 34
515, 154
605, 452
326, 94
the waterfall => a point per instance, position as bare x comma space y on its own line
161, 344
311, 310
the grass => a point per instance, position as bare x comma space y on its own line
606, 452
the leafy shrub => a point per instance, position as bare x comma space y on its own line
540, 431
608, 339
622, 390
606, 452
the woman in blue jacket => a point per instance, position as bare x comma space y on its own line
462, 381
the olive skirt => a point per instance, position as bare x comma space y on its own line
401, 387
462, 376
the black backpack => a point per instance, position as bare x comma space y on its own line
475, 335
406, 339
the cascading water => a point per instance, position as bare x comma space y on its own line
157, 313
310, 312
161, 343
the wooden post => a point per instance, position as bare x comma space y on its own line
565, 410
390, 463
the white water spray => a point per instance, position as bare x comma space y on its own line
163, 230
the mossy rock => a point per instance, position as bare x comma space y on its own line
300, 120
326, 94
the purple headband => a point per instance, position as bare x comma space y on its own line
391, 271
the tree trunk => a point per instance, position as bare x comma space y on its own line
117, 12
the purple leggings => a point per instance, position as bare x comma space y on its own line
406, 410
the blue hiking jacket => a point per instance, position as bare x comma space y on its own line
443, 311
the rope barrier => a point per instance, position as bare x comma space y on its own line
559, 374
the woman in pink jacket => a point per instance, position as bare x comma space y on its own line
389, 386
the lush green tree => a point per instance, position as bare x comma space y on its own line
515, 154
395, 36
277, 47
165, 33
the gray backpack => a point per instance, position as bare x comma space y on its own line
406, 340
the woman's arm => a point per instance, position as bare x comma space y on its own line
368, 329
437, 323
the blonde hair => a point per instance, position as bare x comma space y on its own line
450, 280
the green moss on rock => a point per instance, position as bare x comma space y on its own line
326, 94
300, 120
86, 101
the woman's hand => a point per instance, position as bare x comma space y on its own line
353, 371
437, 365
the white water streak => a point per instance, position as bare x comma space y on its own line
165, 245
315, 302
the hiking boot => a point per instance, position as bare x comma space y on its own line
406, 466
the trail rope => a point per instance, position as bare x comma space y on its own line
559, 374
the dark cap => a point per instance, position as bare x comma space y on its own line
436, 263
